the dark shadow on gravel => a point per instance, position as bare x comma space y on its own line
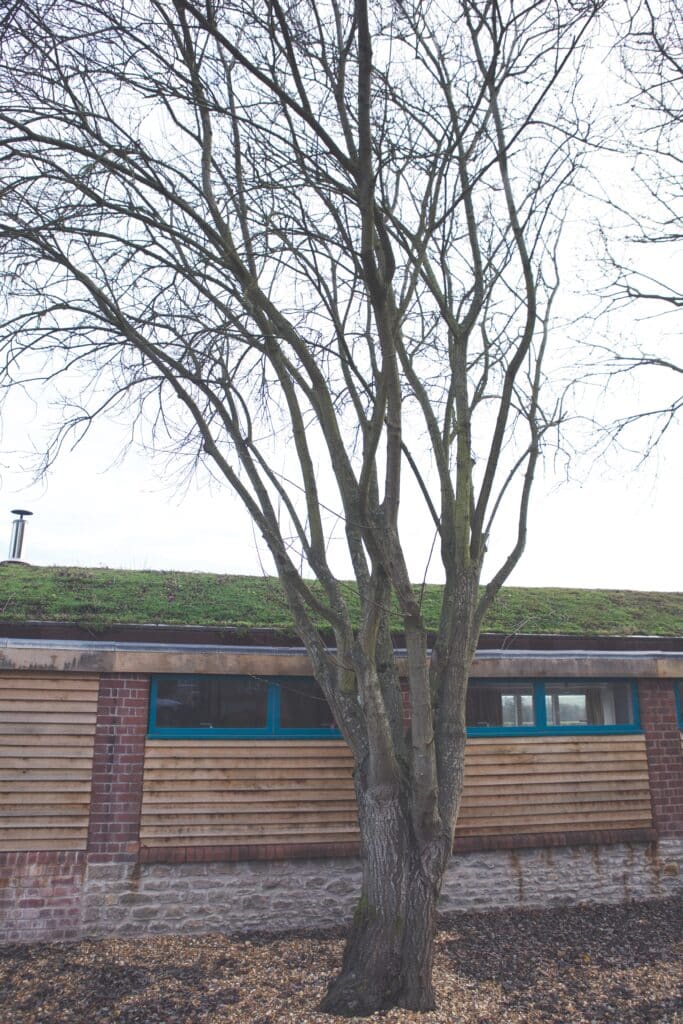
51, 984
589, 963
518, 942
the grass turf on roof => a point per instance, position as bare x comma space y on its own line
100, 598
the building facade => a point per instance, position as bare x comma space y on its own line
149, 784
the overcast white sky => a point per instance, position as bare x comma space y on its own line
613, 529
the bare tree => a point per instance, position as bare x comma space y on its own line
331, 227
643, 266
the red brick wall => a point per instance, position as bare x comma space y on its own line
118, 762
664, 756
40, 895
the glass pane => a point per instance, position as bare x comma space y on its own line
236, 702
303, 706
499, 706
590, 704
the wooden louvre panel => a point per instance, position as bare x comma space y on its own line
241, 792
214, 792
528, 785
47, 732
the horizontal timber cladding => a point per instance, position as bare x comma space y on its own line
47, 730
241, 793
555, 784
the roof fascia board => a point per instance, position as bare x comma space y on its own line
144, 658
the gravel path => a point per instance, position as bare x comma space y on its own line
587, 965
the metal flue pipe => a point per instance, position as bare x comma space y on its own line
17, 538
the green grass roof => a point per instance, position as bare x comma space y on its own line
100, 598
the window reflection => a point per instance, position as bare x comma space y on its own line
490, 706
238, 703
249, 703
576, 704
303, 706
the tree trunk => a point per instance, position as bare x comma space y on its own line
389, 951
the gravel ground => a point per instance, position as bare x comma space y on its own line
587, 965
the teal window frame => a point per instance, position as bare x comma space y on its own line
678, 697
541, 726
271, 730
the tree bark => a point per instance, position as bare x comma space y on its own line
389, 951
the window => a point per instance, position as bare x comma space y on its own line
240, 706
495, 706
211, 704
678, 692
302, 706
592, 704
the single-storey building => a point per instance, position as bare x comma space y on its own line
163, 768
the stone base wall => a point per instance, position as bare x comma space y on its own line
574, 874
127, 898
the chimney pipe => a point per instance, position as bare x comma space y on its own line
17, 538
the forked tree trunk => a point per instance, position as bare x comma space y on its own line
389, 951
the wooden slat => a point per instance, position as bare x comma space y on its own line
252, 818
40, 831
565, 779
291, 748
484, 787
8, 693
37, 777
18, 844
542, 829
41, 820
45, 762
472, 808
52, 741
61, 733
163, 789
551, 811
49, 683
258, 830
217, 776
263, 798
81, 747
47, 730
284, 838
588, 742
45, 809
251, 760
57, 718
527, 759
569, 768
14, 706
26, 791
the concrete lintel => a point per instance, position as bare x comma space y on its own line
150, 661
573, 665
102, 657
